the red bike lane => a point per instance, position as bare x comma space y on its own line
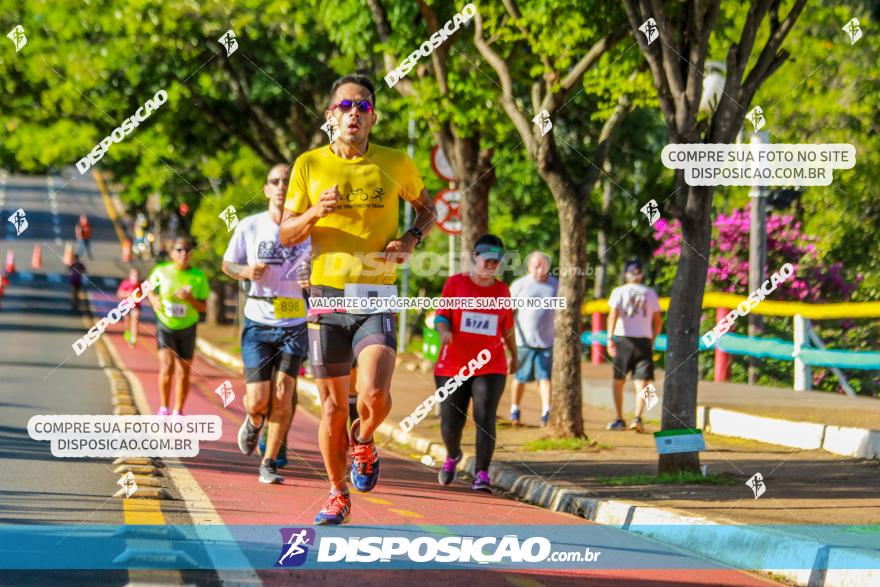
407, 493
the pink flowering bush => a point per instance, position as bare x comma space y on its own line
813, 281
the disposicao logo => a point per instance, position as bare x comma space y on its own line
294, 547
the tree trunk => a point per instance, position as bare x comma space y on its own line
602, 239
476, 176
567, 405
683, 324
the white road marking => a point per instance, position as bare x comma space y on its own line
53, 203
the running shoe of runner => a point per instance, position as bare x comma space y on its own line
346, 197
476, 334
273, 340
178, 297
126, 288
281, 459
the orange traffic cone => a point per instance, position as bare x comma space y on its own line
37, 257
68, 254
10, 261
126, 251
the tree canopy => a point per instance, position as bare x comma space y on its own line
228, 118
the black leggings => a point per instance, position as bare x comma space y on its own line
486, 391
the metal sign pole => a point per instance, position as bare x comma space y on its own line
407, 222
451, 254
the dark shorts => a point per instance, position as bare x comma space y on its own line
181, 342
534, 364
633, 354
337, 338
265, 349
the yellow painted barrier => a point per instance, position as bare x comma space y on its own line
769, 308
108, 203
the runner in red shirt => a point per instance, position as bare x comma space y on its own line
84, 236
475, 366
126, 289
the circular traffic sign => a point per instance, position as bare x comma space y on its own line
441, 164
447, 202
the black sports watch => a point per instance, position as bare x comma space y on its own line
416, 233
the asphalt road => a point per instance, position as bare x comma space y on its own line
42, 375
40, 372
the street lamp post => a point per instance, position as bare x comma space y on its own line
757, 251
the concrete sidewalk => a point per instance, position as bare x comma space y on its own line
799, 419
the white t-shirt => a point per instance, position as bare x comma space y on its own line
534, 326
255, 240
636, 305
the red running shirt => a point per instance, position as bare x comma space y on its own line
127, 287
474, 330
86, 229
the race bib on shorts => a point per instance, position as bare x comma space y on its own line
175, 310
289, 308
479, 323
365, 291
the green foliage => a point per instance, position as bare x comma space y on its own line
87, 66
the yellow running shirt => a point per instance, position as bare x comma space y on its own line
346, 243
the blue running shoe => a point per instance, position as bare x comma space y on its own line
514, 417
545, 418
364, 461
618, 424
281, 458
336, 510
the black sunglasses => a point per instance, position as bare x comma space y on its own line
182, 249
277, 181
345, 105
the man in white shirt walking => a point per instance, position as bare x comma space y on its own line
633, 324
534, 335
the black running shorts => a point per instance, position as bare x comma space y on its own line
633, 354
337, 338
181, 342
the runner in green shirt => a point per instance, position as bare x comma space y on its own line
178, 296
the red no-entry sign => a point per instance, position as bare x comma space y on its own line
448, 205
440, 164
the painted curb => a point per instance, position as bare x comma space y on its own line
805, 435
852, 442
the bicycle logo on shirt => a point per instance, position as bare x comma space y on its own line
360, 198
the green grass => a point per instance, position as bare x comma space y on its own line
562, 444
669, 479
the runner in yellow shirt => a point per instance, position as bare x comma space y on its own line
345, 196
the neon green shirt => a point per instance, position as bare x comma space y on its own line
176, 313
